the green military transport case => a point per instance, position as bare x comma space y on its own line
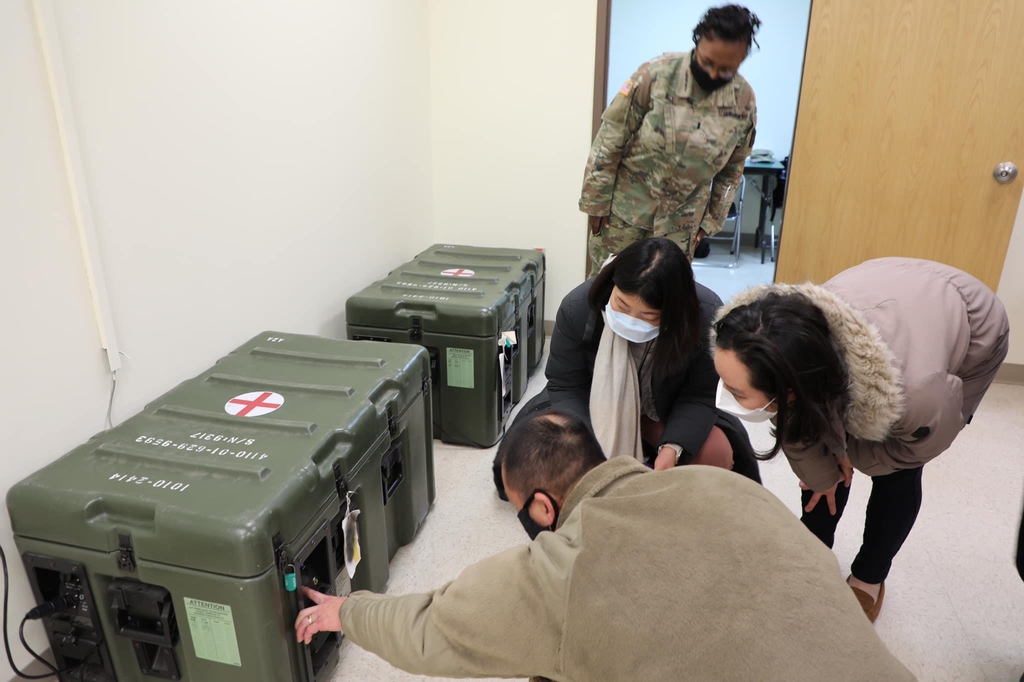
460, 302
482, 259
181, 536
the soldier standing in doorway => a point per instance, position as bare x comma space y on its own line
669, 156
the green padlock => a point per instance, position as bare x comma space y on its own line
290, 582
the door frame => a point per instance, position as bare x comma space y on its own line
602, 54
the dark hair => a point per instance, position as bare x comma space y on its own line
732, 23
785, 343
548, 451
657, 271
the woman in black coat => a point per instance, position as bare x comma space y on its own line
649, 297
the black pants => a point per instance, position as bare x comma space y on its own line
892, 509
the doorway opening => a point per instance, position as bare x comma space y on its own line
632, 32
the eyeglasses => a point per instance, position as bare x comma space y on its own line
709, 65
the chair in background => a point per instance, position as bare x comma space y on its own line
736, 216
771, 241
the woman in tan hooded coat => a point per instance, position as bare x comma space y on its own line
877, 370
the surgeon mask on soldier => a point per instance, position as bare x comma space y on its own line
703, 78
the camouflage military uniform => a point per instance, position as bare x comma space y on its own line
668, 158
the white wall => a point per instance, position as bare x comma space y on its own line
53, 370
251, 165
1011, 288
511, 110
642, 29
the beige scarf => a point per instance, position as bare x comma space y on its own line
615, 398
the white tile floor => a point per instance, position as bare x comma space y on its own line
727, 282
954, 606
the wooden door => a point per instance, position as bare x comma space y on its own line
906, 108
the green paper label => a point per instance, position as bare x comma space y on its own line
460, 368
213, 631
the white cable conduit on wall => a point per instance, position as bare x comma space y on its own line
46, 24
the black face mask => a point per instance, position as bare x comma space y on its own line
703, 78
532, 528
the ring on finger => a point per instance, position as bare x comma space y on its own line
309, 619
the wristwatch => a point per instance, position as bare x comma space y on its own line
678, 449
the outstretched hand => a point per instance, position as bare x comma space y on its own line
324, 616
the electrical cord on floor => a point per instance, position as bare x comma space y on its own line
24, 643
43, 610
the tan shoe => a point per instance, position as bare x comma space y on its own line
871, 607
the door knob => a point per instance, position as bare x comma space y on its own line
1005, 173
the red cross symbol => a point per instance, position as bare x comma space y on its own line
254, 404
458, 272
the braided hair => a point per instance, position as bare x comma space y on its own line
732, 23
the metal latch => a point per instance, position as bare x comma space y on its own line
425, 382
435, 371
417, 331
280, 555
284, 564
340, 484
125, 553
392, 427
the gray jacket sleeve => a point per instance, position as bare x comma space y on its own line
928, 427
816, 464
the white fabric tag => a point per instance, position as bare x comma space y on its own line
501, 373
351, 530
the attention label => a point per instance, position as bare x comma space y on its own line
213, 631
460, 368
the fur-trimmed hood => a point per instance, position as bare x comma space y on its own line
920, 342
874, 394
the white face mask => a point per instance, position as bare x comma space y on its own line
629, 327
727, 403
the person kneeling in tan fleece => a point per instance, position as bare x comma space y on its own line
695, 573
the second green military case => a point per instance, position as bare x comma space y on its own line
182, 538
486, 259
465, 304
